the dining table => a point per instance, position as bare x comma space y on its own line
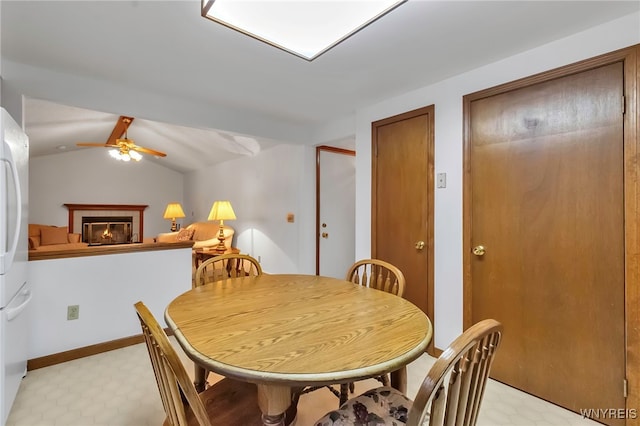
287, 331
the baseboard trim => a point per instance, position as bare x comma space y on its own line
98, 348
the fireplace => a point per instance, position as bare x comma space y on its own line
104, 230
125, 222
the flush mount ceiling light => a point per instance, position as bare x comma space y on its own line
305, 28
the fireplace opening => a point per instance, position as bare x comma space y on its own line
107, 230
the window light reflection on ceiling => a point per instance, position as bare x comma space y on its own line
305, 28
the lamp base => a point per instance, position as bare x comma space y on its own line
174, 226
221, 247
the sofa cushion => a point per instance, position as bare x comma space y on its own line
34, 229
185, 234
57, 247
73, 238
53, 235
204, 230
34, 242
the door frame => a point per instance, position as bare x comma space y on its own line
430, 112
631, 106
319, 149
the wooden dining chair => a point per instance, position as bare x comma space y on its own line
373, 273
450, 395
381, 275
227, 402
378, 274
225, 266
230, 265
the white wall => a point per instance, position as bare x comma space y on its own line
447, 98
262, 190
105, 288
90, 176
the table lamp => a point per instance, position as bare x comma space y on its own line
173, 212
221, 210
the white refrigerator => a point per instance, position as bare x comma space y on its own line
15, 292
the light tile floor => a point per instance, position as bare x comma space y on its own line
117, 388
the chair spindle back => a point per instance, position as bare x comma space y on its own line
225, 266
466, 364
171, 377
377, 274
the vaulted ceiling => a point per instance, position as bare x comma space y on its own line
247, 93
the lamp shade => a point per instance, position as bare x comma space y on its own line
221, 210
173, 211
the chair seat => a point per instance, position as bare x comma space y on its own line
380, 406
450, 395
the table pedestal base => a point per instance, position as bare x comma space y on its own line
275, 402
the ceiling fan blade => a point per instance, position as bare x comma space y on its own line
119, 129
148, 151
92, 144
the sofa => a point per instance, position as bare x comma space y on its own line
203, 235
50, 237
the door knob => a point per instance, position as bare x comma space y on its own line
325, 235
420, 245
478, 250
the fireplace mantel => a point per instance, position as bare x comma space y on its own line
73, 208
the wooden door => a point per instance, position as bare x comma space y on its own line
402, 200
336, 211
546, 195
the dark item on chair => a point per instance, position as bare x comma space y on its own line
227, 402
225, 266
465, 366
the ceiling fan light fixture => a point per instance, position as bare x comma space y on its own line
123, 149
115, 153
135, 155
125, 156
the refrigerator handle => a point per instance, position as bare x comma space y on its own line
14, 312
7, 258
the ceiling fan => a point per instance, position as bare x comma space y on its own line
123, 148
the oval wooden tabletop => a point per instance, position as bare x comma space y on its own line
297, 329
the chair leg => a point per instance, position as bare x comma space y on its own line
352, 387
384, 379
295, 395
344, 393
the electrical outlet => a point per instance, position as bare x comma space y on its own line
73, 312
